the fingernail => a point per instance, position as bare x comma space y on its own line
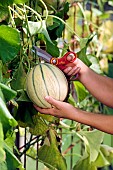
46, 97
69, 68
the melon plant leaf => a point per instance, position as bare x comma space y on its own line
9, 43
107, 152
52, 49
6, 118
23, 96
5, 3
49, 153
39, 127
2, 152
1, 66
101, 160
92, 140
80, 91
11, 160
48, 118
84, 42
3, 13
72, 101
19, 78
95, 64
82, 56
83, 164
7, 92
35, 28
19, 1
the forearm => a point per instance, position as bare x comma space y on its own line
99, 86
98, 121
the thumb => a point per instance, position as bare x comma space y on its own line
52, 101
70, 57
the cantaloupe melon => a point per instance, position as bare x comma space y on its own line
43, 80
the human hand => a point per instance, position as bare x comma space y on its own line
59, 109
75, 68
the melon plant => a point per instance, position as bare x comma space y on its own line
23, 25
46, 79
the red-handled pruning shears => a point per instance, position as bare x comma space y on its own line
59, 62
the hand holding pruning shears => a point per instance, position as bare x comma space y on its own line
62, 63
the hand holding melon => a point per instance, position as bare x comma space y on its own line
46, 80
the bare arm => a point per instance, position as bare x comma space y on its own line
101, 87
65, 110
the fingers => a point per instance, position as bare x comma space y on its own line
52, 101
70, 57
71, 71
45, 111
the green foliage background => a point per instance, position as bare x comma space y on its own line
56, 26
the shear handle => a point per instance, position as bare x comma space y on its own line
69, 57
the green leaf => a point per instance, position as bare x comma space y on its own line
80, 90
20, 1
18, 81
9, 43
52, 49
39, 127
5, 3
107, 152
2, 152
95, 64
84, 164
3, 13
92, 140
82, 56
1, 65
72, 101
11, 159
23, 96
101, 160
37, 27
7, 92
49, 153
6, 118
84, 42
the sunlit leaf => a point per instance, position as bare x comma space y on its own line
101, 160
6, 118
20, 1
37, 27
9, 43
80, 90
71, 100
107, 152
7, 92
93, 140
84, 164
95, 64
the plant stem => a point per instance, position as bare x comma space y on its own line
66, 25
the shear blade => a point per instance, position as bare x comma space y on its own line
43, 54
